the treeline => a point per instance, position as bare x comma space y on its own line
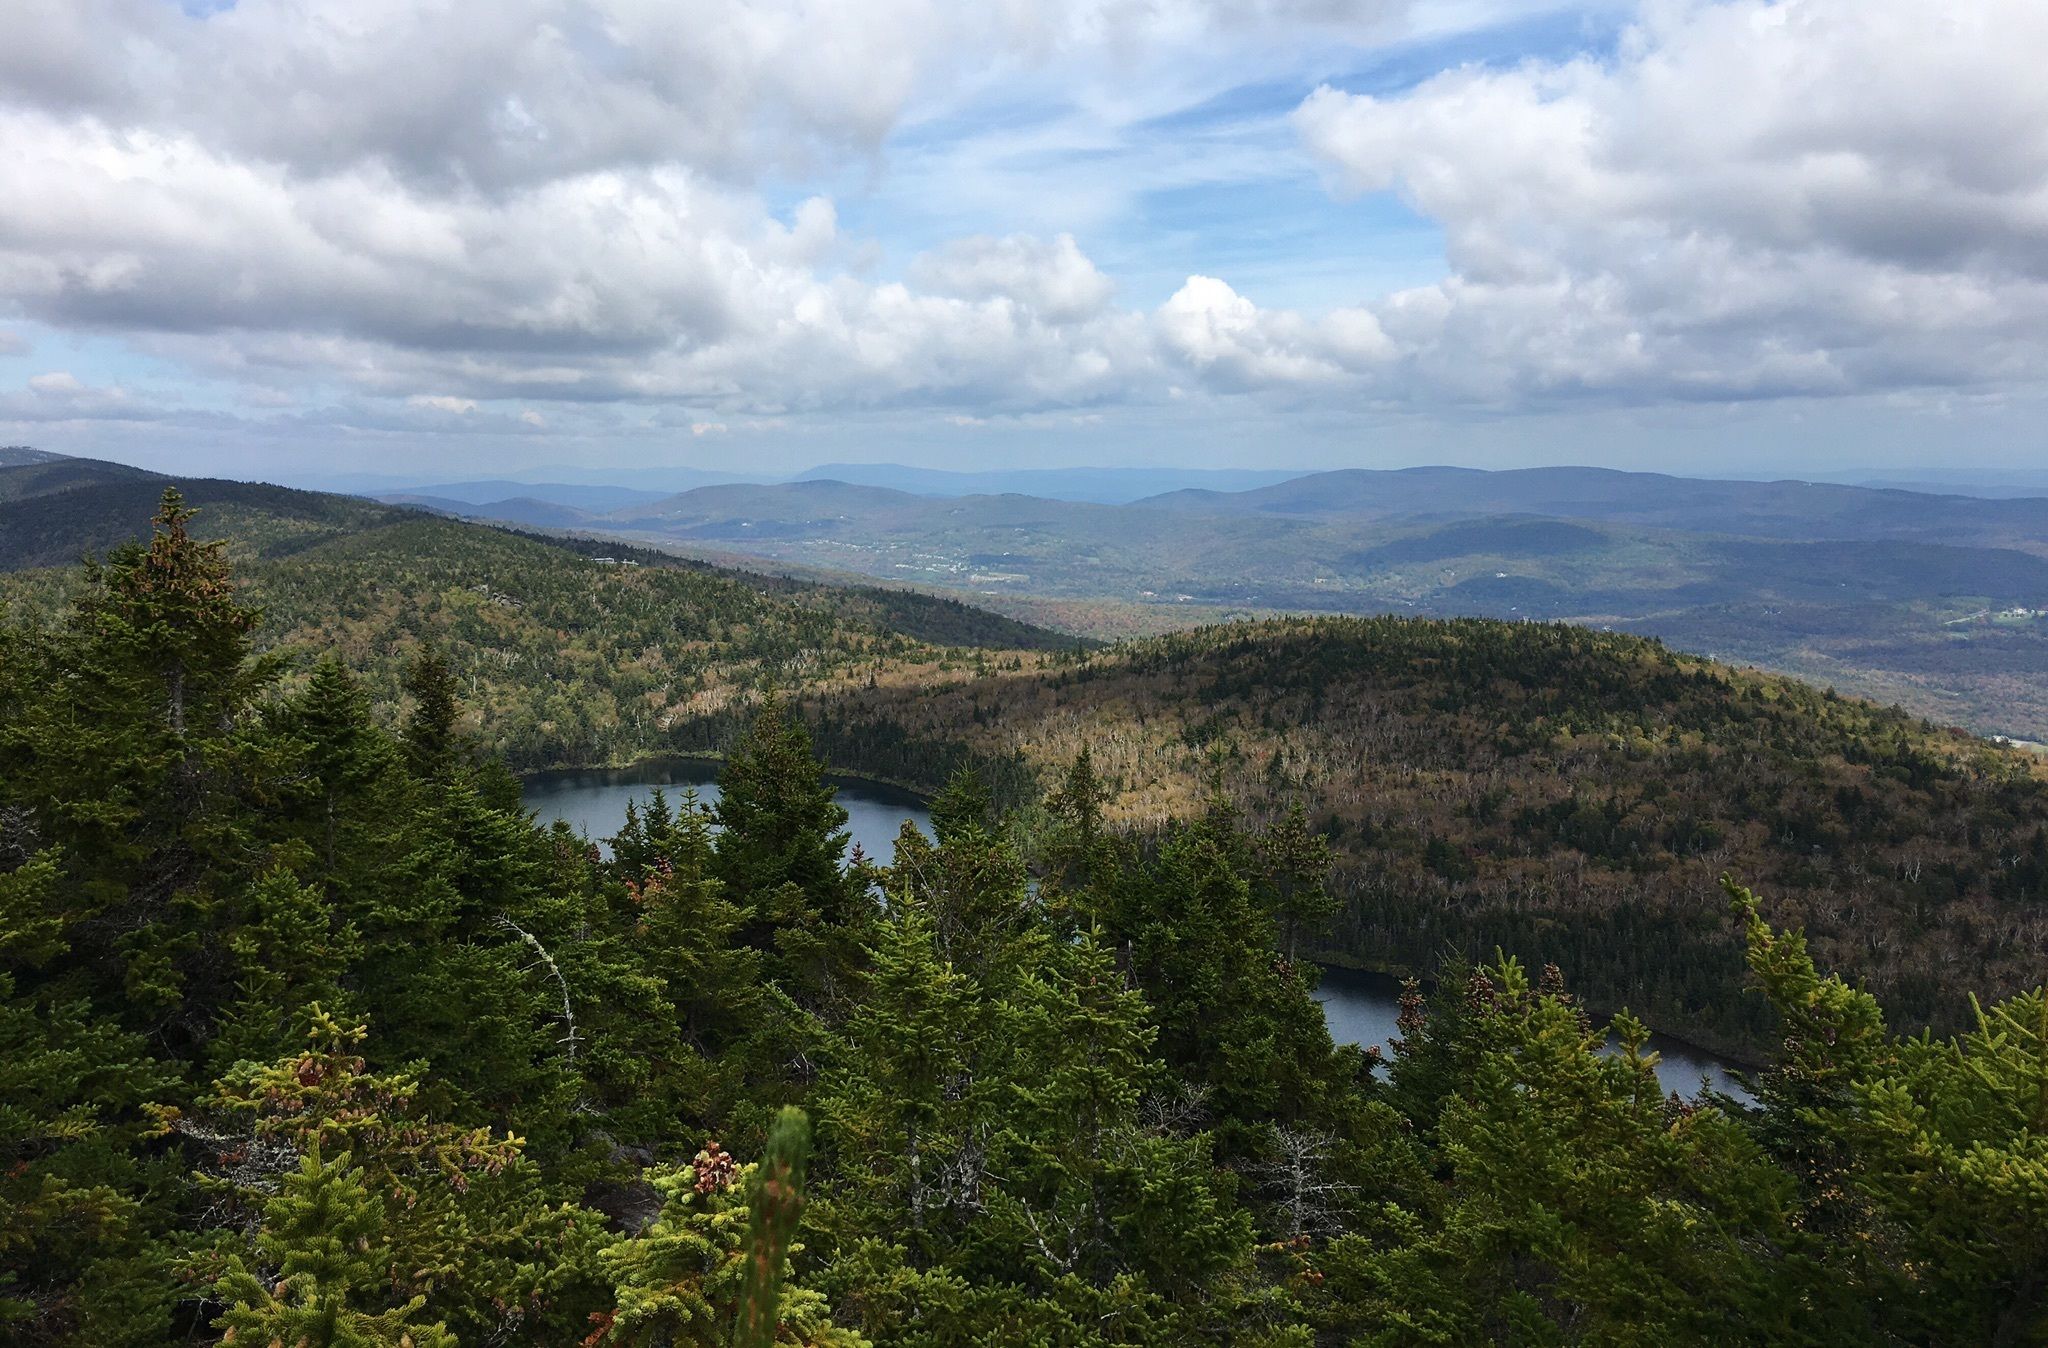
1570, 794
309, 1036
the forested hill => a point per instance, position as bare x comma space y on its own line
569, 652
1567, 794
310, 1036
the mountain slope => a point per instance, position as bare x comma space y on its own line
28, 473
100, 510
1940, 603
566, 658
1566, 794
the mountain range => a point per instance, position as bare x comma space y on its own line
1938, 602
1538, 786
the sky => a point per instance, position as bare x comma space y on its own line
286, 238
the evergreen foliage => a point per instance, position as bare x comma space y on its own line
309, 1035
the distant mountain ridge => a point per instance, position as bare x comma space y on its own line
1103, 486
1938, 602
1782, 509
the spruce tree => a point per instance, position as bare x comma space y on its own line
433, 744
779, 824
1296, 870
342, 754
900, 1110
78, 1095
134, 759
326, 1265
712, 1271
964, 807
1078, 845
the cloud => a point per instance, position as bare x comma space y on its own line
547, 215
59, 395
56, 384
441, 402
1052, 278
14, 344
1747, 200
1239, 347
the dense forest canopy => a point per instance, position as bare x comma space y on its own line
309, 1035
1570, 794
569, 652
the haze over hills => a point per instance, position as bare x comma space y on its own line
1939, 602
606, 489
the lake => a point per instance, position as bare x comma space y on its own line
1360, 1007
593, 800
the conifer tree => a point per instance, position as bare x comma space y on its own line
1582, 1203
135, 761
343, 755
77, 1094
712, 1272
965, 806
326, 1262
291, 952
432, 741
1077, 847
1080, 1188
779, 824
1296, 870
464, 1229
898, 1113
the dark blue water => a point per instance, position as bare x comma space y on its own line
1360, 1007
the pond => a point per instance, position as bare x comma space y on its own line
593, 800
1360, 1007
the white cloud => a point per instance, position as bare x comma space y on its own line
1749, 199
1240, 347
1051, 278
56, 384
59, 395
441, 402
448, 218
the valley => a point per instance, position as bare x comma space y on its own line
221, 824
1882, 593
1559, 790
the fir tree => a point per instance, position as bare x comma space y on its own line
779, 824
899, 1115
1296, 870
1077, 847
712, 1272
432, 741
322, 1245
343, 756
964, 807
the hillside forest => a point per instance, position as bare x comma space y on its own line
309, 1035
